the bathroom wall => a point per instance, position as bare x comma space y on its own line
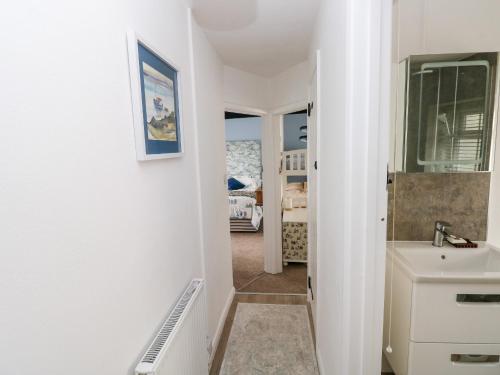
447, 26
422, 198
426, 27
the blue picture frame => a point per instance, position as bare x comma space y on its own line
155, 85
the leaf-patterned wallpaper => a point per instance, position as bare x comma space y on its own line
244, 159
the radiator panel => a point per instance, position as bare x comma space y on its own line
180, 346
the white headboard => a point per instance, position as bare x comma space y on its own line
294, 162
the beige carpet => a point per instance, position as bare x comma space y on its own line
248, 257
248, 268
292, 280
270, 339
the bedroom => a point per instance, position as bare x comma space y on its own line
247, 204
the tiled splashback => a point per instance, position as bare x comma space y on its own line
422, 198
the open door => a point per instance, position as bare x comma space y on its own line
312, 178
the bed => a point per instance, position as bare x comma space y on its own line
294, 237
244, 214
244, 163
295, 195
294, 204
294, 163
245, 192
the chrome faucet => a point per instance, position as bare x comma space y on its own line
440, 233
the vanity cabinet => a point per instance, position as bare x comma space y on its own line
440, 315
440, 328
442, 359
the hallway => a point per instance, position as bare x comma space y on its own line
263, 300
116, 243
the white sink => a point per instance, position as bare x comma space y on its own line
424, 262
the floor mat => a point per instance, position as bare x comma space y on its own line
270, 339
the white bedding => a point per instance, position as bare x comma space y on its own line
241, 207
297, 198
249, 189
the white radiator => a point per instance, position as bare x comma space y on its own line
180, 348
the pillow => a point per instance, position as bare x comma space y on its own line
249, 182
234, 184
294, 186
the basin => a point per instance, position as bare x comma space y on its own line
423, 262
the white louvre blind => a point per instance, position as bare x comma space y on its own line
467, 143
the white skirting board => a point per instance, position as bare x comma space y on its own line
220, 325
320, 362
385, 364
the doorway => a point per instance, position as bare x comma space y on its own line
294, 187
263, 228
243, 134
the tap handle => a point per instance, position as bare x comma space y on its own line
442, 225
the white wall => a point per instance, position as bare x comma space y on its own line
354, 43
448, 26
454, 26
331, 226
245, 89
290, 87
493, 236
250, 90
95, 246
212, 151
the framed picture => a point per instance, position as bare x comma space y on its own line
155, 88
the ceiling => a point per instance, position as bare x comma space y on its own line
264, 37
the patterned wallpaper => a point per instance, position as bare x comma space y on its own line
244, 159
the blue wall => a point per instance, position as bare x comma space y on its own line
243, 129
291, 131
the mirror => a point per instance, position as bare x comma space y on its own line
445, 113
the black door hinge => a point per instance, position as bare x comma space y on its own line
316, 165
309, 108
389, 179
309, 285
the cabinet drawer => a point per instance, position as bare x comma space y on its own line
454, 359
457, 313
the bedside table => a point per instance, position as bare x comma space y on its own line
259, 197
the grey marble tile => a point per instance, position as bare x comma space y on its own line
417, 200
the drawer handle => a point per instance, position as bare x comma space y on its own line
478, 298
475, 358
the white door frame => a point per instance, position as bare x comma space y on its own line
276, 255
313, 273
271, 160
272, 206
